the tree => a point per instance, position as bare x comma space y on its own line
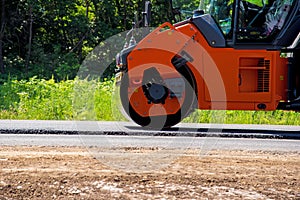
48, 38
2, 28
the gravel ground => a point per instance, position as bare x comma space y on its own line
77, 173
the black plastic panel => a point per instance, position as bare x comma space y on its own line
210, 30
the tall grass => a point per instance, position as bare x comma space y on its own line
97, 100
278, 117
67, 100
36, 99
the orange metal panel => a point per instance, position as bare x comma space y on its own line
240, 74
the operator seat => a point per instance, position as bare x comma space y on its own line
274, 19
276, 16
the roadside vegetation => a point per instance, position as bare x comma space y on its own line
40, 99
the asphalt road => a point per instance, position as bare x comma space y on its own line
128, 128
104, 141
126, 134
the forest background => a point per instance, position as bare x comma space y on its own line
46, 38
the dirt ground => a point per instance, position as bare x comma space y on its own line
75, 173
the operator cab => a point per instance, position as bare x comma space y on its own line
261, 22
254, 24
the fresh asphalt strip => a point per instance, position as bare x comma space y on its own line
130, 129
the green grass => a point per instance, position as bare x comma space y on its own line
40, 99
278, 117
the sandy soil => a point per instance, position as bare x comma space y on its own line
75, 173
